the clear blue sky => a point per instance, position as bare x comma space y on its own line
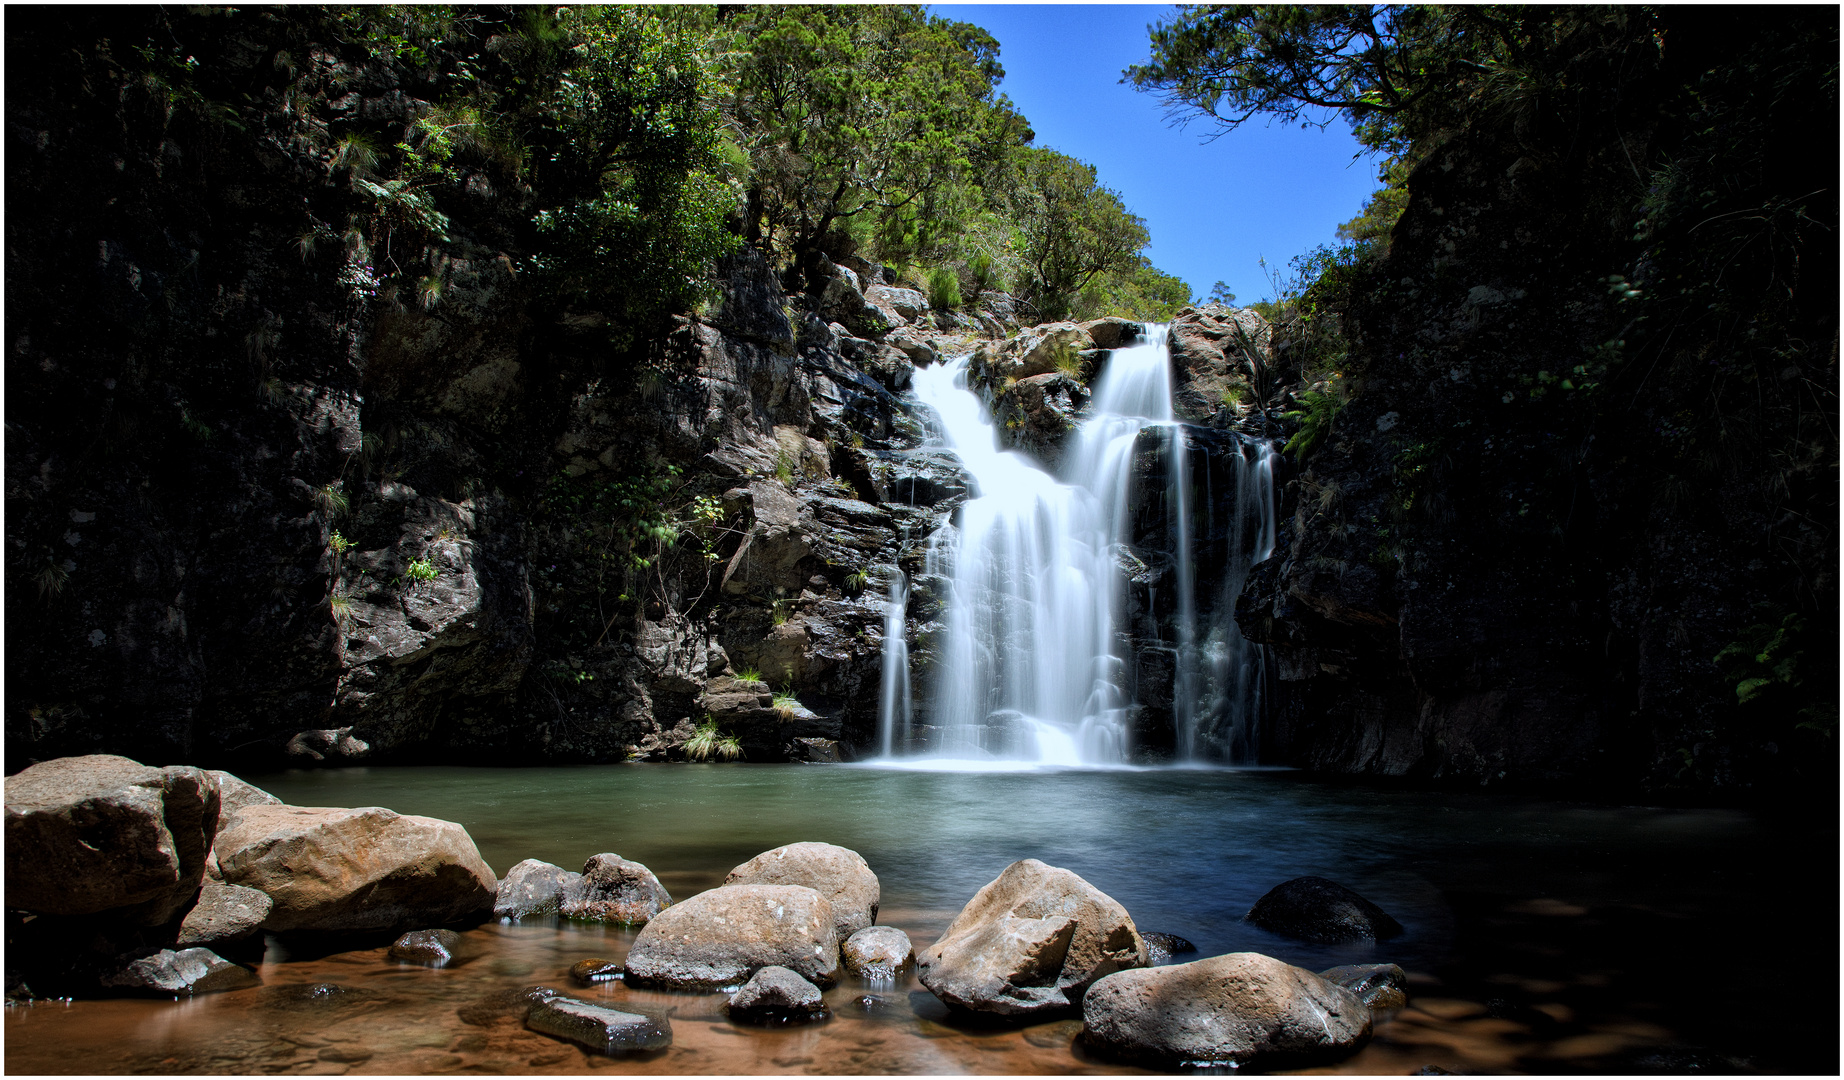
1213, 206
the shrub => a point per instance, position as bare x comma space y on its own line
944, 289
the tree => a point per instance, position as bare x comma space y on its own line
1220, 294
1073, 230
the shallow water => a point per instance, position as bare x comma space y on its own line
1540, 936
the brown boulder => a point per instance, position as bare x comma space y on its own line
369, 868
104, 833
613, 889
839, 874
1029, 944
721, 937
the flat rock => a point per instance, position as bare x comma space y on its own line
1030, 943
183, 973
369, 868
224, 913
1314, 909
428, 948
877, 952
839, 874
602, 1029
721, 937
1380, 986
104, 833
1237, 1010
614, 889
531, 889
776, 995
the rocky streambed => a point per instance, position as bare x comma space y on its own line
798, 957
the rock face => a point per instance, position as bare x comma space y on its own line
1314, 909
1220, 358
605, 1030
839, 874
721, 937
1237, 1010
1029, 944
103, 833
363, 869
612, 889
877, 953
533, 888
183, 974
776, 994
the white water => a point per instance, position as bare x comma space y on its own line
1029, 669
893, 708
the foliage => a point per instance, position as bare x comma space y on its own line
785, 704
944, 289
707, 743
1073, 231
420, 570
1142, 292
748, 674
1318, 409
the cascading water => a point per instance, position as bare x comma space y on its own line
1030, 667
893, 711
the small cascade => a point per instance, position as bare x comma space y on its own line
1031, 665
893, 709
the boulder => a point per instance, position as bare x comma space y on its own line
838, 874
613, 889
235, 793
1237, 1010
1112, 332
1038, 414
183, 974
1380, 986
905, 305
877, 952
501, 1006
532, 888
323, 744
920, 352
1029, 944
842, 301
369, 868
428, 948
721, 937
776, 995
1052, 347
594, 970
224, 914
1210, 361
104, 833
1314, 909
1162, 947
605, 1030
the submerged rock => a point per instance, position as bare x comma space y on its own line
365, 869
595, 970
1234, 1010
1380, 986
504, 1006
1314, 909
614, 889
533, 888
1030, 943
721, 937
183, 974
877, 952
605, 1030
839, 874
105, 833
430, 948
776, 995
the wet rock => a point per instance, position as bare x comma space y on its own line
224, 914
819, 751
428, 948
316, 997
604, 1030
840, 875
776, 995
1162, 947
1029, 944
183, 973
533, 888
877, 952
613, 889
104, 833
504, 1006
1314, 909
1237, 1010
721, 937
1038, 414
1380, 986
365, 869
326, 744
595, 970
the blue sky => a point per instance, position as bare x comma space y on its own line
1214, 207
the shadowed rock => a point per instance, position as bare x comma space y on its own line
605, 1030
183, 974
776, 995
1380, 986
429, 948
1314, 909
614, 889
533, 888
1162, 947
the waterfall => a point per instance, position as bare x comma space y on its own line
1030, 666
893, 710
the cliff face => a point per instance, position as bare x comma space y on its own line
1582, 457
